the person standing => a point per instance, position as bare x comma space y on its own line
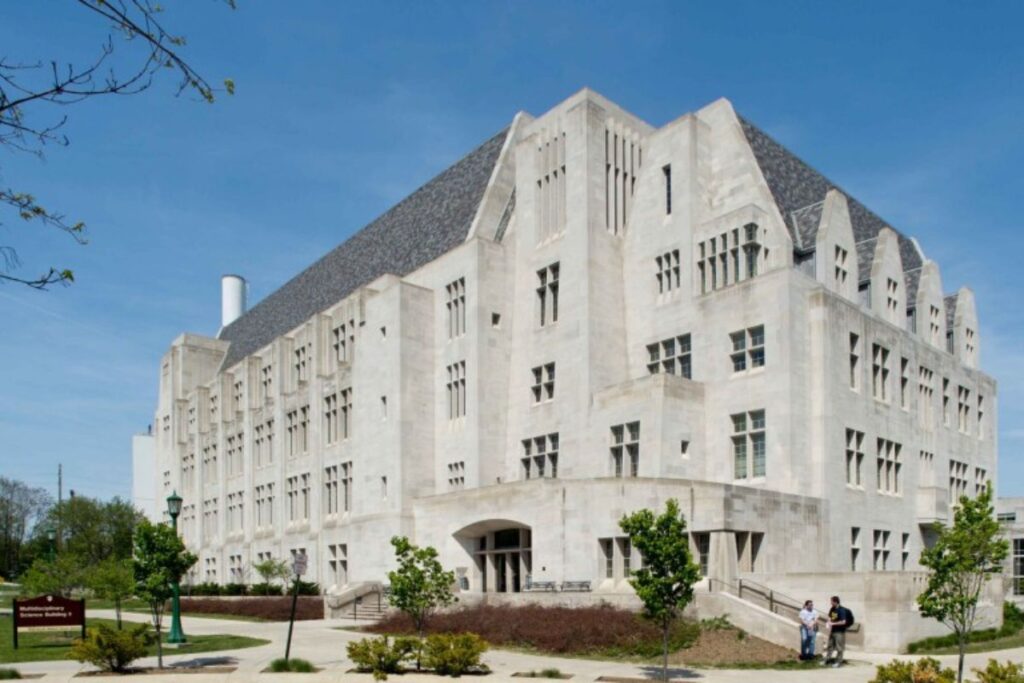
839, 619
808, 630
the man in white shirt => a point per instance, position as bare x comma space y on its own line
808, 630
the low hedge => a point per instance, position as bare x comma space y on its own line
1013, 623
269, 608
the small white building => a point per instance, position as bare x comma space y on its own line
1010, 512
143, 477
585, 316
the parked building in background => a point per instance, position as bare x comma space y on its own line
585, 316
144, 495
1010, 512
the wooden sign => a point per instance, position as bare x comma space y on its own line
50, 612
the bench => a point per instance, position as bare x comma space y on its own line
575, 586
532, 585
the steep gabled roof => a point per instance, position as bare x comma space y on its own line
425, 225
799, 190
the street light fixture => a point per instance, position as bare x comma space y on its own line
299, 561
177, 635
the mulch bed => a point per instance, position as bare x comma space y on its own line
727, 646
151, 671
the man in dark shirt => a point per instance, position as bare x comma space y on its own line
838, 621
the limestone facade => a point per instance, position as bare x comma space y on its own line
626, 314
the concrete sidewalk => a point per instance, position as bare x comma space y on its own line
323, 644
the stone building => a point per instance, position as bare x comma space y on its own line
584, 316
1010, 512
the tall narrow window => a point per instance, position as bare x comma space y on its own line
667, 173
925, 398
963, 409
957, 481
891, 300
981, 416
456, 308
945, 402
456, 390
300, 364
547, 294
331, 422
880, 372
904, 384
854, 547
667, 271
888, 466
854, 361
671, 356
881, 550
625, 450
934, 326
543, 383
841, 267
854, 458
346, 486
266, 382
331, 490
344, 342
749, 444
346, 413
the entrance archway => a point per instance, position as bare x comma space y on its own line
502, 554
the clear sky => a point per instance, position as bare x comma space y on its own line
344, 108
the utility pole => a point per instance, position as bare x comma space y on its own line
60, 499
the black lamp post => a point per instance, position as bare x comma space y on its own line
177, 635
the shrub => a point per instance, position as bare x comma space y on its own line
925, 670
234, 589
205, 588
293, 665
995, 672
543, 673
453, 654
264, 589
110, 649
9, 674
308, 588
1013, 623
267, 608
1013, 619
601, 630
381, 656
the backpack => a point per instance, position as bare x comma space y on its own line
850, 619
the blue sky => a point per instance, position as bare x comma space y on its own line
344, 108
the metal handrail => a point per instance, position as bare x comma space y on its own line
775, 599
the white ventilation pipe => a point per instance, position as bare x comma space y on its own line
232, 298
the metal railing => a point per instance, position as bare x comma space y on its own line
763, 596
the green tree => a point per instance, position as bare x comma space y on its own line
271, 570
161, 559
665, 581
420, 585
21, 507
93, 530
35, 95
62, 576
962, 560
113, 579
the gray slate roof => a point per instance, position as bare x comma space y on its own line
428, 223
797, 189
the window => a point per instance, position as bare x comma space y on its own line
237, 392
331, 490
337, 563
980, 480
667, 271
925, 398
457, 390
671, 356
854, 547
881, 550
264, 505
969, 343
608, 556
666, 171
210, 469
854, 458
748, 444
236, 512
702, 546
904, 384
540, 457
543, 383
332, 425
723, 260
547, 294
963, 409
188, 473
945, 402
214, 410
625, 450
934, 326
291, 492
854, 361
880, 372
298, 431
904, 552
455, 306
957, 481
841, 266
344, 342
234, 454
383, 407
950, 347
211, 523
752, 248
892, 302
981, 416
384, 488
747, 349
626, 550
266, 382
300, 364
456, 475
1018, 566
888, 466
346, 486
926, 465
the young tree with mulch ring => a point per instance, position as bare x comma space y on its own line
161, 559
420, 585
962, 560
665, 581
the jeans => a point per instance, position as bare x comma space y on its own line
807, 642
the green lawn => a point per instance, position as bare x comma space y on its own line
1004, 643
139, 607
50, 645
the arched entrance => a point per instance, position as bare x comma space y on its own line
501, 552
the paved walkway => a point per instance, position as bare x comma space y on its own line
324, 645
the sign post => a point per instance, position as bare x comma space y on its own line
299, 567
47, 612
